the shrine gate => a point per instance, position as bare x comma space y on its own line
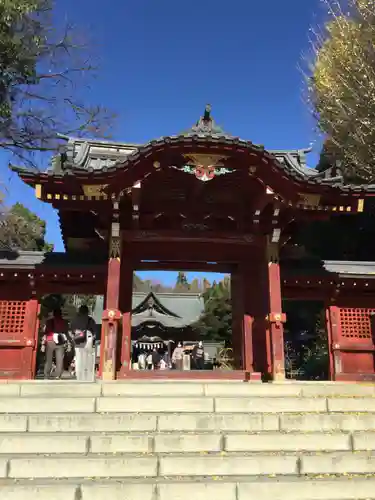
201, 200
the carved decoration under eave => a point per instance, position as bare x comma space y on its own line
252, 170
309, 199
204, 167
115, 241
195, 227
96, 191
115, 248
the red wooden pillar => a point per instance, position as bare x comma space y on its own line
126, 308
110, 322
332, 324
254, 295
237, 320
276, 317
111, 314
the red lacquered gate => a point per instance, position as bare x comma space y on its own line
18, 338
352, 333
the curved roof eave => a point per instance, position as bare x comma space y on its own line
288, 162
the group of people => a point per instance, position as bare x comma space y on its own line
197, 357
159, 359
77, 341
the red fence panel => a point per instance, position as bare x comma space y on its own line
353, 343
18, 338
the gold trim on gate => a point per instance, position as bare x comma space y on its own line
309, 199
96, 191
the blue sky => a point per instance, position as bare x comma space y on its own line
162, 61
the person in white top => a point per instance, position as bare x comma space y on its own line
84, 330
177, 357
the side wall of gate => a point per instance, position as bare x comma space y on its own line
18, 338
352, 342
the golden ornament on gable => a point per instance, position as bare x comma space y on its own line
205, 161
309, 199
252, 170
95, 190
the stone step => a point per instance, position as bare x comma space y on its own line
184, 388
186, 465
183, 405
109, 443
187, 422
219, 488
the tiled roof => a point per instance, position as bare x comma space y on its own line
350, 267
184, 309
81, 157
95, 158
22, 259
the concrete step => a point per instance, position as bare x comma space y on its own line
187, 422
176, 442
159, 440
189, 465
177, 404
218, 488
71, 388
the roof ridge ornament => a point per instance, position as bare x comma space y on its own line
206, 125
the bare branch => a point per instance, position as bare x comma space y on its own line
46, 74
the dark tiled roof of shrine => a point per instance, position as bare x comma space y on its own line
83, 157
171, 310
356, 268
22, 259
79, 157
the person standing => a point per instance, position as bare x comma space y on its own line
177, 356
53, 343
198, 356
156, 358
84, 334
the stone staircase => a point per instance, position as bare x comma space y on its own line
187, 440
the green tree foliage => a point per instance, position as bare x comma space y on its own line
68, 303
182, 284
195, 286
216, 321
342, 84
78, 300
306, 356
20, 229
41, 69
326, 159
57, 301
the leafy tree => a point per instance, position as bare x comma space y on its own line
195, 286
20, 229
216, 321
182, 284
78, 300
342, 83
326, 159
40, 66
